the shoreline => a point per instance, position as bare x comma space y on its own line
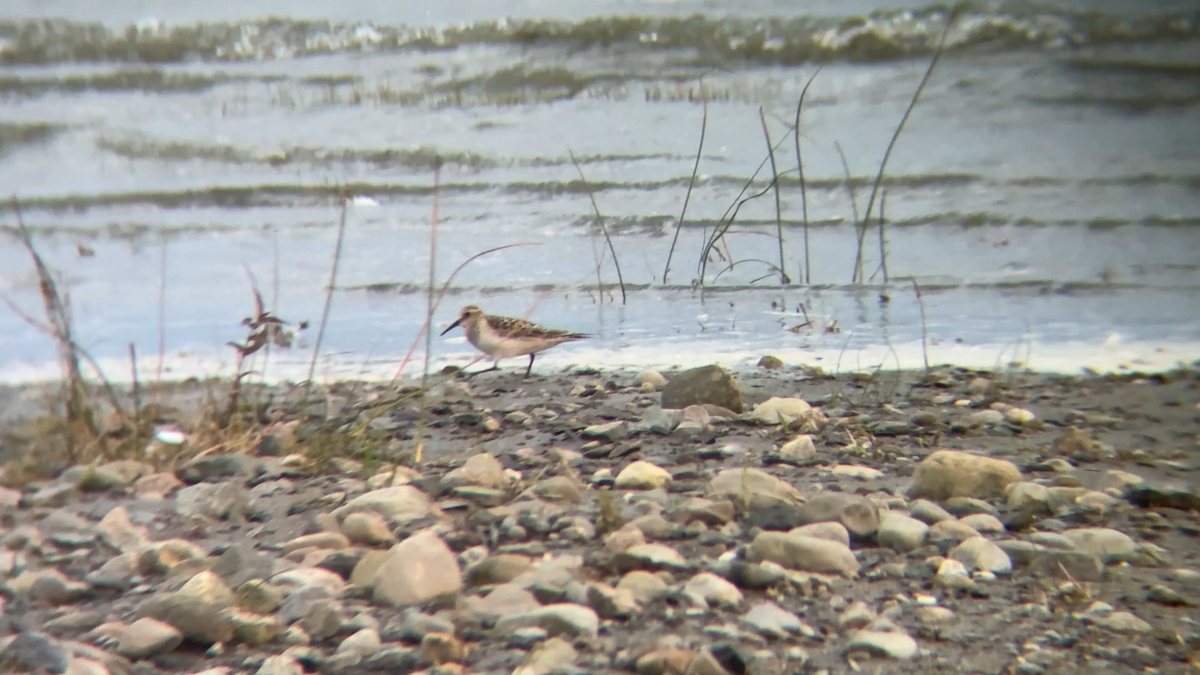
571, 491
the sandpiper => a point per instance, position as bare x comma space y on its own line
502, 337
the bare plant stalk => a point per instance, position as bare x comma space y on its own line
800, 169
783, 277
274, 297
162, 318
603, 229
437, 301
137, 393
78, 408
860, 226
924, 331
903, 120
133, 372
691, 182
110, 393
727, 218
337, 257
882, 237
433, 227
722, 228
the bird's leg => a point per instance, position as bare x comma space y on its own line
530, 368
495, 366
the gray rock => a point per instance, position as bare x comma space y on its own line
706, 384
951, 530
1024, 495
802, 553
610, 431
900, 532
73, 623
48, 586
481, 469
800, 451
707, 589
148, 637
1107, 544
67, 529
412, 625
367, 528
984, 523
657, 421
859, 515
928, 512
969, 506
952, 473
1073, 565
393, 659
652, 377
32, 651
1166, 495
982, 554
223, 501
611, 603
196, 619
772, 621
1165, 595
418, 569
643, 586
118, 532
1124, 622
363, 643
241, 562
642, 475
649, 557
214, 468
787, 411
833, 531
112, 475
52, 495
323, 619
1052, 540
559, 619
401, 505
503, 600
280, 664
300, 602
883, 638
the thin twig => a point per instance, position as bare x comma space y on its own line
109, 392
600, 220
722, 224
859, 225
903, 120
882, 238
78, 407
337, 257
137, 394
162, 318
691, 182
433, 228
924, 331
783, 277
800, 169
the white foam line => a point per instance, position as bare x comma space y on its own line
1072, 358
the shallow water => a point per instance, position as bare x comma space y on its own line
1045, 193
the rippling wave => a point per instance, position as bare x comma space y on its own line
881, 35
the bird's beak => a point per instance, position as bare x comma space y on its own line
452, 326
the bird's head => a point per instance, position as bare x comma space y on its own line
466, 316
